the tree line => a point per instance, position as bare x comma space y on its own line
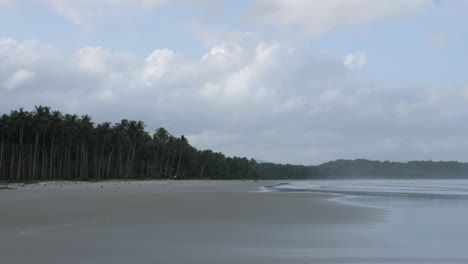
45, 144
373, 169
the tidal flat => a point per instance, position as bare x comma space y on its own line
180, 222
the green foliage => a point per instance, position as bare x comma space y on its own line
47, 145
361, 168
287, 171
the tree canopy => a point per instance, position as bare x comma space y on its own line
47, 145
362, 168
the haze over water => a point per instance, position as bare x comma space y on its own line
424, 222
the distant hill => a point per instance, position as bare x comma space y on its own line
362, 168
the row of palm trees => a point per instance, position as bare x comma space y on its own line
47, 145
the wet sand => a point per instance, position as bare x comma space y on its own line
180, 222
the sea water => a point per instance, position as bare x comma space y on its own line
426, 221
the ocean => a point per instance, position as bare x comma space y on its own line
425, 221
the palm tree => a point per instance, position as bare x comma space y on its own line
21, 120
45, 144
40, 117
3, 127
70, 131
55, 120
85, 128
103, 137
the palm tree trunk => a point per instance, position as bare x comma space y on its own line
178, 163
35, 157
172, 166
1, 158
202, 171
100, 157
132, 160
58, 171
77, 161
109, 163
51, 155
12, 161
43, 158
20, 154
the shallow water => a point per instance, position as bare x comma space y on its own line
426, 220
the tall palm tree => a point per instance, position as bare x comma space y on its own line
45, 144
40, 117
3, 128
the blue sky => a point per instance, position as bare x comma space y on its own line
288, 81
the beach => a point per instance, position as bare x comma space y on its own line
176, 222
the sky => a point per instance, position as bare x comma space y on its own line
288, 81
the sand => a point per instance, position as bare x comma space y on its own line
179, 222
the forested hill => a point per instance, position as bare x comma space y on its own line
361, 168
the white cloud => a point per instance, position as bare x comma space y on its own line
77, 15
465, 93
317, 17
159, 63
332, 96
86, 12
18, 53
267, 100
438, 40
18, 78
100, 61
6, 3
312, 18
245, 83
355, 61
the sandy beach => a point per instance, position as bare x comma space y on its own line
179, 222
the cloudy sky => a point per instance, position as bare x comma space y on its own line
298, 81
